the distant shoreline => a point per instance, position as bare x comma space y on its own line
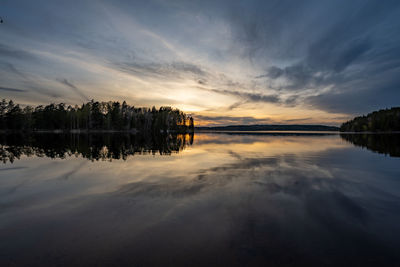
370, 132
86, 131
271, 127
190, 132
266, 132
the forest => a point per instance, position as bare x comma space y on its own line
93, 115
384, 120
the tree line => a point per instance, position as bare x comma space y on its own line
384, 120
93, 115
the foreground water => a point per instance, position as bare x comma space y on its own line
208, 199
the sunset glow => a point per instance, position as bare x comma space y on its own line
203, 58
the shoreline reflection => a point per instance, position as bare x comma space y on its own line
90, 146
388, 144
231, 200
109, 146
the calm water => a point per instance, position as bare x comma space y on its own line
208, 199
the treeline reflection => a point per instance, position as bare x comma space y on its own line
91, 146
388, 144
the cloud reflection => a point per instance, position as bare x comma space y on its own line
247, 200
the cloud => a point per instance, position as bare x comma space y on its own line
330, 47
74, 88
254, 97
174, 70
358, 98
328, 54
11, 68
337, 57
19, 54
298, 120
245, 96
236, 105
273, 73
231, 120
8, 89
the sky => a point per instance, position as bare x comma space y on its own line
224, 62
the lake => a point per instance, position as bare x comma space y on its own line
238, 199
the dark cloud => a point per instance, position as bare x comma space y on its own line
236, 105
330, 46
358, 100
45, 91
298, 120
188, 68
13, 168
259, 97
331, 55
292, 100
338, 56
72, 172
29, 83
175, 70
11, 68
202, 82
274, 72
8, 89
246, 97
230, 120
10, 52
74, 88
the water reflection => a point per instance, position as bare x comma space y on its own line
388, 144
231, 200
120, 146
90, 146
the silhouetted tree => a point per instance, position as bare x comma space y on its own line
378, 121
191, 124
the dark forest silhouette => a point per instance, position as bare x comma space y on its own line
384, 120
109, 116
105, 146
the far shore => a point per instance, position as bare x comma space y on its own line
84, 131
369, 132
135, 131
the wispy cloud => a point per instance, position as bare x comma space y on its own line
13, 53
73, 88
315, 55
7, 89
174, 70
245, 97
231, 120
11, 68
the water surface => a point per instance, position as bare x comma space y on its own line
208, 199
